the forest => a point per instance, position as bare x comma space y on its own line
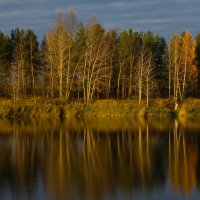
86, 61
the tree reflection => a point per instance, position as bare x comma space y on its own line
76, 159
182, 161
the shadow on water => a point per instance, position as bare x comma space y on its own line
99, 158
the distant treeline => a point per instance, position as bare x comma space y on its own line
77, 61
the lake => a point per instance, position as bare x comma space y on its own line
100, 159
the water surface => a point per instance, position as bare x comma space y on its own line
100, 159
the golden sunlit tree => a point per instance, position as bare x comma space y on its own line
93, 61
60, 40
144, 74
189, 68
174, 67
181, 66
18, 66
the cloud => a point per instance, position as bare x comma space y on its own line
160, 16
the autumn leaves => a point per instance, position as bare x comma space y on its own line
182, 66
87, 61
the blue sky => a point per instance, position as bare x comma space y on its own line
160, 16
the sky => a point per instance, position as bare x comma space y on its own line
159, 16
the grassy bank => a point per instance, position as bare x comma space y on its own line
99, 108
119, 108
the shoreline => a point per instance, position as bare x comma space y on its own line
99, 108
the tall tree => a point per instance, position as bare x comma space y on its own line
18, 63
110, 37
25, 61
157, 45
160, 66
197, 52
49, 68
188, 64
125, 49
93, 59
144, 74
182, 66
32, 61
174, 67
5, 62
60, 41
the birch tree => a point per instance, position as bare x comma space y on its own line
123, 50
188, 62
134, 44
149, 76
60, 40
32, 62
18, 64
175, 67
181, 65
94, 55
60, 44
110, 40
72, 24
49, 66
140, 72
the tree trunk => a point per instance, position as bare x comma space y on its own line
118, 81
32, 70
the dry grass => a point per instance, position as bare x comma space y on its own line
101, 108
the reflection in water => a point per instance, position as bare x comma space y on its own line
182, 160
98, 159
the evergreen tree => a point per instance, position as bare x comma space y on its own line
5, 63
